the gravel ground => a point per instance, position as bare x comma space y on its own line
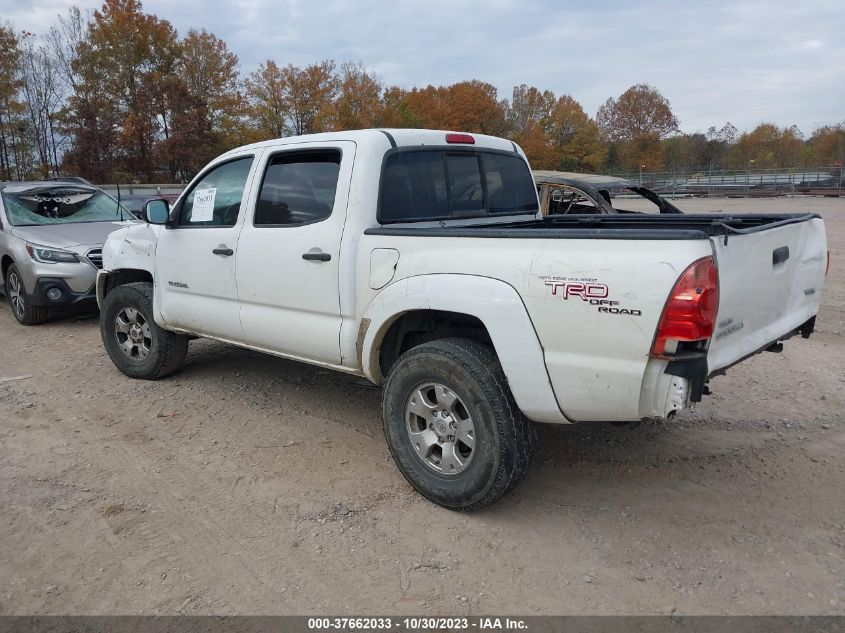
250, 484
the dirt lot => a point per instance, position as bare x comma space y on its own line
250, 484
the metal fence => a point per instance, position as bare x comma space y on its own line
817, 181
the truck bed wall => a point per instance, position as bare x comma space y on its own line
599, 356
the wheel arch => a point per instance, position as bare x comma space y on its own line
5, 262
447, 305
108, 280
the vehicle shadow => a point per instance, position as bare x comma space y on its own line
570, 459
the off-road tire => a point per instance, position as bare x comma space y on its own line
167, 349
505, 441
30, 314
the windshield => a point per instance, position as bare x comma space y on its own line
60, 205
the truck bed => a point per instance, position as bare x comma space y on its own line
611, 227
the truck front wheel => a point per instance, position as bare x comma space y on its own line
136, 345
452, 425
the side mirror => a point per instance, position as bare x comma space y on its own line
156, 212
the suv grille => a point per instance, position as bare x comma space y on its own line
95, 256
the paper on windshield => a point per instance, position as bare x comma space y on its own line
203, 210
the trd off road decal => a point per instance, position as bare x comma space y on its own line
589, 291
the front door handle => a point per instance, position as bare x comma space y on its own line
317, 256
226, 252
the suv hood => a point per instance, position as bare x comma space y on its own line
68, 235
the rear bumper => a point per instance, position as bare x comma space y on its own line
805, 330
663, 393
670, 386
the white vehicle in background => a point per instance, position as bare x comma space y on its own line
420, 260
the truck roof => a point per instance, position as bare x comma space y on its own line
388, 137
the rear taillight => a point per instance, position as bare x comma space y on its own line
689, 316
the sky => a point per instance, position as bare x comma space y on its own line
743, 61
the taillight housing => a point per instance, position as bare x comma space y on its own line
689, 316
463, 139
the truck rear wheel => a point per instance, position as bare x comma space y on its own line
136, 345
452, 425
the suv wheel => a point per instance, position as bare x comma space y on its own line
24, 311
136, 345
452, 425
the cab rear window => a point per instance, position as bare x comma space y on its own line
440, 184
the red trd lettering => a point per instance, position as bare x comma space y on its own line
578, 289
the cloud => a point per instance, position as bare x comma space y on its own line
746, 61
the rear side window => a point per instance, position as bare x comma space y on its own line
298, 188
441, 184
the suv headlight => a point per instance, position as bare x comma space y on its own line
51, 255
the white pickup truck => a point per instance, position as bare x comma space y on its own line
419, 259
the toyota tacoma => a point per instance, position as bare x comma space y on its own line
420, 260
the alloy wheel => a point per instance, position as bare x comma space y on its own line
440, 428
133, 333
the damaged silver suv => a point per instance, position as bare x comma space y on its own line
51, 236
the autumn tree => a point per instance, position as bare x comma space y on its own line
398, 110
359, 101
827, 145
14, 163
309, 95
266, 92
210, 72
575, 137
636, 122
190, 141
768, 146
529, 107
120, 65
478, 108
555, 133
469, 106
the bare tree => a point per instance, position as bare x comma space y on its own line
45, 96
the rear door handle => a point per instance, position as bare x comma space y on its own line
318, 256
226, 252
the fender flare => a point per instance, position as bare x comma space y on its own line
497, 305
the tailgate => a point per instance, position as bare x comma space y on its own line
770, 282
